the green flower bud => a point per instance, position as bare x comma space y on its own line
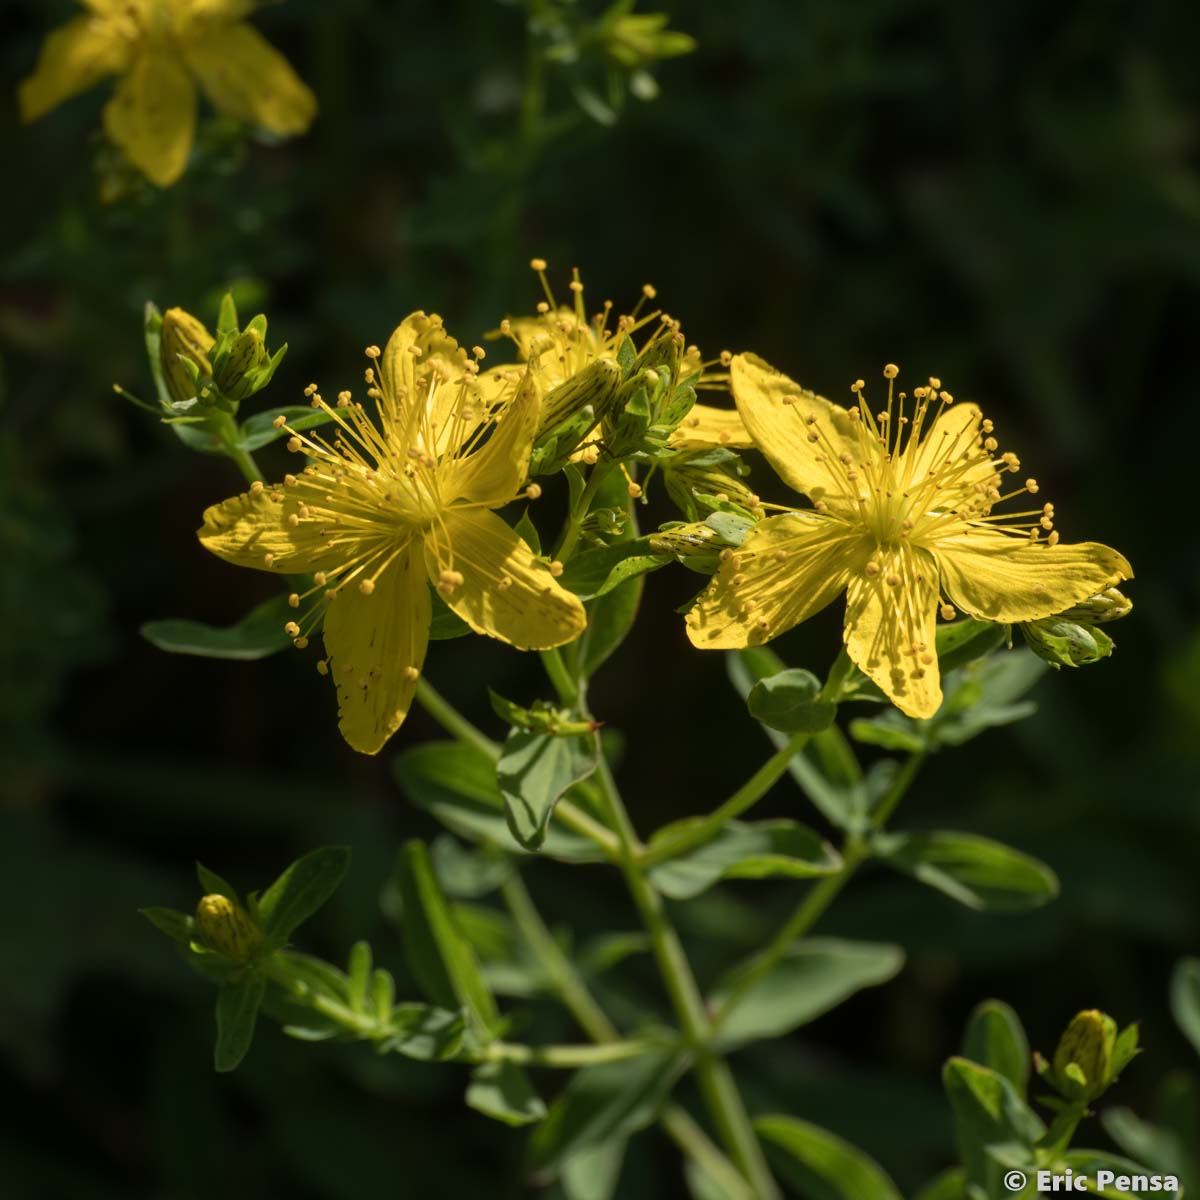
238, 363
1110, 605
183, 350
709, 481
592, 388
640, 39
226, 927
694, 541
1066, 643
1087, 1046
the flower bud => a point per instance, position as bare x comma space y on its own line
1086, 1045
1109, 605
183, 349
227, 928
238, 363
1065, 643
592, 387
687, 541
708, 481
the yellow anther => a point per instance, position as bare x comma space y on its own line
634, 490
301, 643
858, 385
292, 629
294, 600
538, 264
344, 398
322, 667
319, 578
1031, 486
893, 580
948, 612
533, 491
872, 569
542, 307
366, 586
726, 358
256, 488
891, 371
373, 351
649, 291
1052, 540
945, 397
934, 382
269, 560
990, 443
556, 568
279, 422
294, 444
412, 674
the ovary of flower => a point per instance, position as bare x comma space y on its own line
162, 49
382, 511
902, 522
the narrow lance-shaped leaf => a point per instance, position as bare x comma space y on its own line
301, 890
822, 1165
258, 634
995, 1038
503, 1092
238, 1002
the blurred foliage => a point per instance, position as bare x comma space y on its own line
1006, 195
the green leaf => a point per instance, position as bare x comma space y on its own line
466, 873
1163, 1149
891, 730
534, 771
1091, 1162
259, 430
176, 925
949, 1185
503, 1092
996, 1129
995, 1038
593, 1174
457, 785
238, 1002
822, 1166
527, 531
610, 618
975, 871
789, 702
426, 1034
964, 641
359, 975
301, 890
442, 961
213, 885
446, 623
1185, 999
742, 851
595, 573
258, 634
602, 1104
815, 976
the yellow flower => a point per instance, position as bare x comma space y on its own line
162, 49
382, 511
902, 522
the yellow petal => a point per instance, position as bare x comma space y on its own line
505, 592
247, 528
999, 577
376, 646
418, 363
890, 628
73, 58
707, 426
246, 77
788, 568
494, 472
780, 433
952, 438
152, 116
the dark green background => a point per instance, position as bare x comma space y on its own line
1005, 195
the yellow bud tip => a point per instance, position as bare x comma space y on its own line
537, 264
891, 371
556, 568
227, 928
366, 586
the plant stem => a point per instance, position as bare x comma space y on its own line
716, 1080
566, 544
704, 829
593, 1020
459, 728
855, 851
567, 1056
564, 684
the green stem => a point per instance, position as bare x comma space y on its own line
567, 1056
593, 1020
716, 1080
855, 851
570, 536
704, 829
459, 728
1058, 1137
560, 677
